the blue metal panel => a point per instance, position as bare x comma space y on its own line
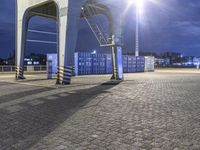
125, 63
54, 61
102, 63
140, 64
119, 63
76, 68
109, 67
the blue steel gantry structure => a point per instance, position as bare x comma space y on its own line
67, 13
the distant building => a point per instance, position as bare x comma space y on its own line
1, 61
162, 62
35, 59
30, 61
188, 61
143, 53
173, 57
196, 61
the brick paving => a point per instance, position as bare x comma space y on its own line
150, 111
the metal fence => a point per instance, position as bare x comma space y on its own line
26, 68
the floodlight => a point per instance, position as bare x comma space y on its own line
138, 3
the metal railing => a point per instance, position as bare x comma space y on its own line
9, 68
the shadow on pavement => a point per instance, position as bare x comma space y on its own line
38, 79
24, 128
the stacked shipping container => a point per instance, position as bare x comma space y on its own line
87, 63
109, 68
133, 64
98, 63
140, 64
149, 64
125, 63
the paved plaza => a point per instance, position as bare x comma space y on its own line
147, 111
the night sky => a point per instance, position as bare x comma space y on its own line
166, 25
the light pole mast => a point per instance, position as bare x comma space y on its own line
137, 33
138, 11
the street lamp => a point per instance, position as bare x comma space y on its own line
139, 11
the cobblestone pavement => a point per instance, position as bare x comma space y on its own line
146, 111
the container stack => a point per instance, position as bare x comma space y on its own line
95, 64
149, 63
87, 60
140, 64
109, 67
98, 64
88, 63
83, 63
132, 64
102, 64
125, 63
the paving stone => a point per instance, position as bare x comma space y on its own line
13, 109
146, 111
36, 102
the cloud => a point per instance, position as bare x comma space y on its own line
194, 4
187, 28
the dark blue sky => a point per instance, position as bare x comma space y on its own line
170, 25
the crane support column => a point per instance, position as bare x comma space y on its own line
116, 31
21, 33
117, 61
68, 32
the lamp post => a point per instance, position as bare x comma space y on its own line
137, 34
139, 9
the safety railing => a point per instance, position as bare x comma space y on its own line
9, 68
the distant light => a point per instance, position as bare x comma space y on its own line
138, 3
36, 63
29, 62
130, 2
139, 6
94, 52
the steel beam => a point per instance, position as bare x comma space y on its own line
67, 15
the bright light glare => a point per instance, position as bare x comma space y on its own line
138, 3
139, 6
130, 2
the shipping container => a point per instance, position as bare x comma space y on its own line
109, 67
140, 64
149, 63
125, 63
53, 58
89, 63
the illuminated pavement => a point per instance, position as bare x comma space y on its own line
147, 111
